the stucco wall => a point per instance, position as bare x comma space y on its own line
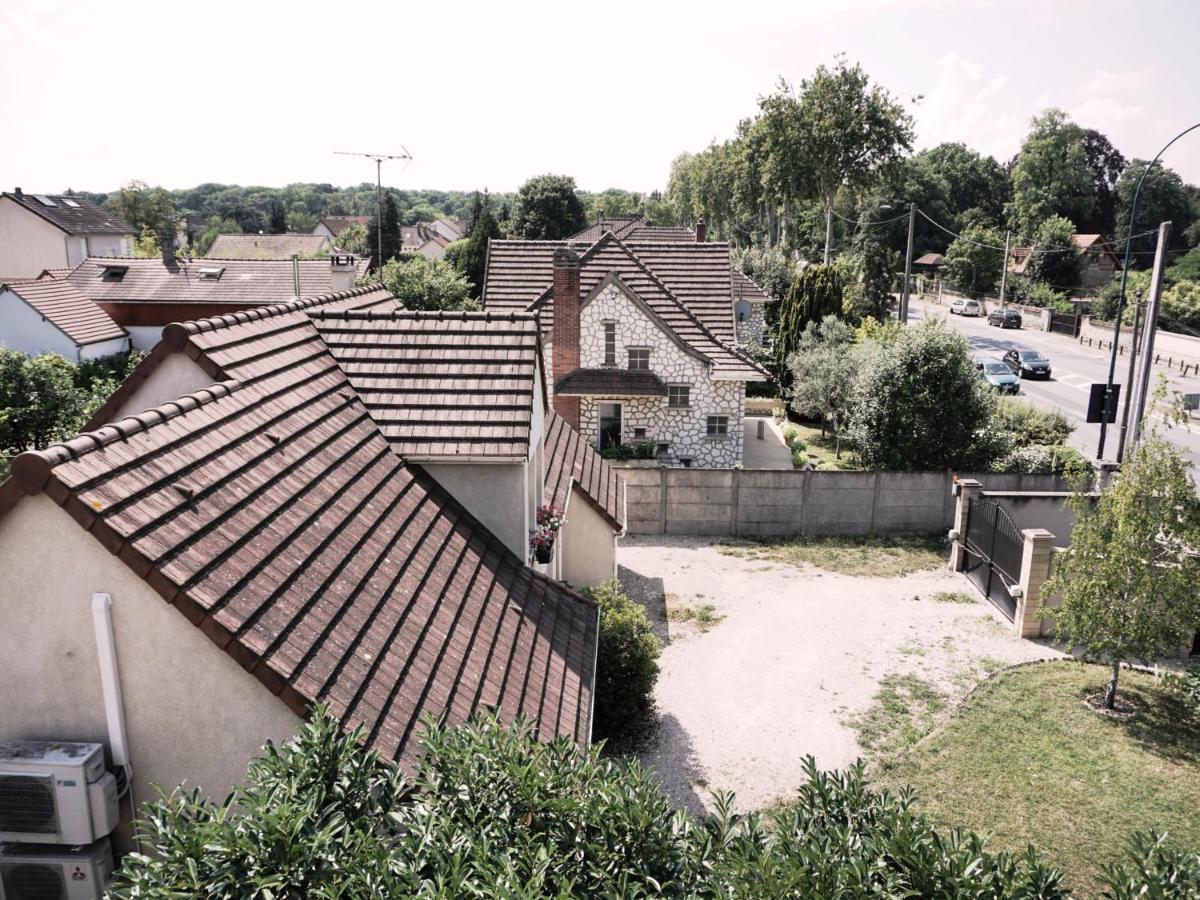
28, 243
588, 545
174, 376
684, 429
108, 245
191, 711
144, 336
23, 328
495, 494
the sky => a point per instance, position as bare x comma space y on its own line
485, 95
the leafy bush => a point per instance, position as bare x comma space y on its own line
1045, 297
790, 434
799, 457
631, 450
421, 283
1153, 869
626, 665
1186, 686
1040, 459
1027, 425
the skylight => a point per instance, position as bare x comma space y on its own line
70, 202
44, 200
113, 272
212, 273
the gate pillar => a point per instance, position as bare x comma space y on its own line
1036, 559
968, 490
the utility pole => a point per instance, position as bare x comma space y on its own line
828, 231
908, 254
1004, 267
1143, 387
379, 158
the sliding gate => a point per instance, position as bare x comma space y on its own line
993, 558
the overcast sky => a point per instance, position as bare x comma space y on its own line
488, 94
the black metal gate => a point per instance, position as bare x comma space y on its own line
1065, 323
994, 547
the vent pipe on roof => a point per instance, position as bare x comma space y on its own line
701, 231
296, 274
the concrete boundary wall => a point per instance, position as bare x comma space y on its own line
768, 503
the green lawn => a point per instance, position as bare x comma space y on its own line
1026, 761
821, 450
872, 557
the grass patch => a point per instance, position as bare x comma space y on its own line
904, 711
952, 597
820, 450
704, 616
872, 557
1026, 761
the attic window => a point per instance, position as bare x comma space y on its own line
113, 273
212, 273
44, 200
70, 203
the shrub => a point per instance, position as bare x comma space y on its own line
1153, 868
1027, 425
626, 665
1186, 686
1040, 459
799, 457
790, 434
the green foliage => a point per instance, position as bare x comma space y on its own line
816, 292
1026, 439
471, 260
824, 368
145, 209
768, 267
1164, 198
917, 404
146, 245
1106, 164
353, 239
392, 242
548, 208
1128, 580
631, 450
276, 217
1054, 259
1186, 686
1042, 459
973, 269
626, 665
214, 227
421, 283
799, 456
1051, 176
1027, 425
1153, 869
1042, 296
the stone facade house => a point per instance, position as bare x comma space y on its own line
642, 339
47, 231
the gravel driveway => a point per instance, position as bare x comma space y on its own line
798, 653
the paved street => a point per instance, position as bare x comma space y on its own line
1075, 368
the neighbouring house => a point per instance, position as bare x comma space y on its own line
270, 246
749, 310
143, 295
331, 226
51, 316
1098, 262
928, 264
267, 544
641, 338
46, 231
635, 228
451, 229
423, 239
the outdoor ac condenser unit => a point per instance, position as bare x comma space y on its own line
55, 873
54, 792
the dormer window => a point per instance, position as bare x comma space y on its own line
639, 359
210, 273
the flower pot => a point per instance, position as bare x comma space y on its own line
543, 554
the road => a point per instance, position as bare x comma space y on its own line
1075, 368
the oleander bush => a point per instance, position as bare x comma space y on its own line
626, 666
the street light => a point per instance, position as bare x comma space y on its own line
1112, 362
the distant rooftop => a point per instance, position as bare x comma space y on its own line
267, 246
71, 213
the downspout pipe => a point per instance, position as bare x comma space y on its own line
110, 680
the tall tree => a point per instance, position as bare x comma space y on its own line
1054, 257
1051, 176
423, 283
276, 218
548, 209
1128, 580
472, 259
391, 233
1164, 198
973, 262
146, 209
1106, 164
823, 369
816, 292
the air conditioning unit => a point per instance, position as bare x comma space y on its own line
54, 792
55, 873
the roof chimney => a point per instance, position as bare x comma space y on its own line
17, 191
341, 272
565, 334
168, 251
701, 231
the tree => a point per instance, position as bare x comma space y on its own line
472, 259
354, 239
1051, 176
548, 209
975, 187
1054, 257
1106, 164
1164, 198
626, 665
423, 283
391, 233
146, 245
974, 261
1128, 580
213, 227
276, 218
816, 292
823, 371
918, 404
146, 209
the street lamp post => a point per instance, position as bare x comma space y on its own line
1112, 361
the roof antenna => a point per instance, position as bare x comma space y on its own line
379, 158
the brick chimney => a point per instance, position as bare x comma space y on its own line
701, 231
565, 336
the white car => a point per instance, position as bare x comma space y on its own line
966, 308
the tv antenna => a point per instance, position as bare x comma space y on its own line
379, 158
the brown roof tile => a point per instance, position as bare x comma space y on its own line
69, 311
275, 516
745, 288
610, 383
338, 224
573, 462
267, 246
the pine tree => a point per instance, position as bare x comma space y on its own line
277, 218
391, 233
473, 259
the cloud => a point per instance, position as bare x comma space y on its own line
964, 105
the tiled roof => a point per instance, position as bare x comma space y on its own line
72, 213
610, 383
243, 283
661, 233
60, 272
338, 224
520, 273
570, 460
929, 259
618, 225
700, 275
744, 288
441, 384
249, 345
276, 518
267, 246
69, 311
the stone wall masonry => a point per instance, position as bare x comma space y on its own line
770, 503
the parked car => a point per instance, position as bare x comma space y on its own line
997, 374
1027, 363
966, 308
1005, 318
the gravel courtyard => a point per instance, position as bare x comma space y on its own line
787, 657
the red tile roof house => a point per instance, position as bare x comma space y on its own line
269, 246
1098, 263
51, 316
265, 545
641, 338
332, 226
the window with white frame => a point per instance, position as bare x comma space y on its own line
679, 396
718, 426
639, 358
610, 343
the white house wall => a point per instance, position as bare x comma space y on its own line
192, 713
494, 493
176, 375
589, 545
24, 328
684, 429
144, 336
108, 245
28, 243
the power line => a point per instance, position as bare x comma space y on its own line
870, 224
1029, 250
